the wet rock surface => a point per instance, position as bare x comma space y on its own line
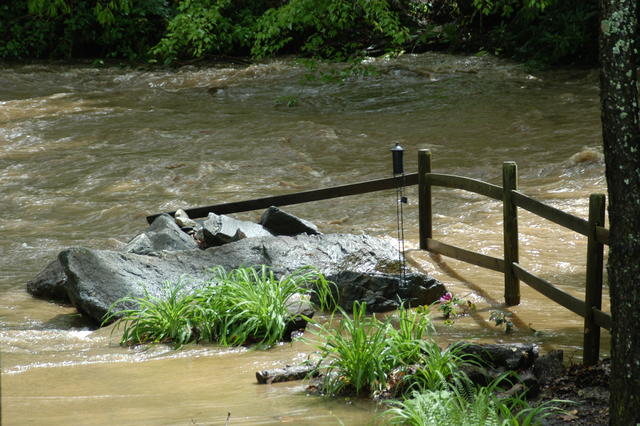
384, 292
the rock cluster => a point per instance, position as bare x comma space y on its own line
166, 254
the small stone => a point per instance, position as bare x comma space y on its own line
182, 219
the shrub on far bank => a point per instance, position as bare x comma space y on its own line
543, 32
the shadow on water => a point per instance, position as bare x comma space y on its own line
69, 322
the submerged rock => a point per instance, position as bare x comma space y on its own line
285, 374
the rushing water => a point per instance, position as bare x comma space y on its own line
86, 153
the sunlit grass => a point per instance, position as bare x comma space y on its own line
242, 306
251, 305
359, 354
158, 319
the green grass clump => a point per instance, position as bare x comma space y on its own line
242, 306
355, 354
158, 319
250, 305
359, 354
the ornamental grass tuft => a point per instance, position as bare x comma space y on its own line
242, 306
359, 354
167, 318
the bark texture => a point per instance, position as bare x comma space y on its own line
621, 137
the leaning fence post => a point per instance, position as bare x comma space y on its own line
510, 223
424, 198
593, 286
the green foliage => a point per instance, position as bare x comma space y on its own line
538, 31
439, 366
328, 28
452, 306
359, 354
201, 27
565, 31
356, 354
249, 305
462, 403
158, 319
407, 338
500, 318
508, 7
245, 305
71, 28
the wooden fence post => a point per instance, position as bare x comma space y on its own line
424, 198
593, 287
510, 223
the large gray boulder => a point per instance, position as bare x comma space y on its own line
162, 234
98, 278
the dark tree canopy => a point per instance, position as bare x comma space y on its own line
539, 31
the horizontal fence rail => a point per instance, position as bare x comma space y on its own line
465, 183
299, 197
602, 319
552, 214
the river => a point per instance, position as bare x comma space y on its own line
86, 152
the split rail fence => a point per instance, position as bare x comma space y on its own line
512, 199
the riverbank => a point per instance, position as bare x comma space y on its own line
588, 388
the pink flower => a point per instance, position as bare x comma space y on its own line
446, 298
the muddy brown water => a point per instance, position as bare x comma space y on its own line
86, 153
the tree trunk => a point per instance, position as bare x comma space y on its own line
621, 137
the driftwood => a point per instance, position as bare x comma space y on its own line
286, 374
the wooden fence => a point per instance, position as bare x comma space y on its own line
593, 229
